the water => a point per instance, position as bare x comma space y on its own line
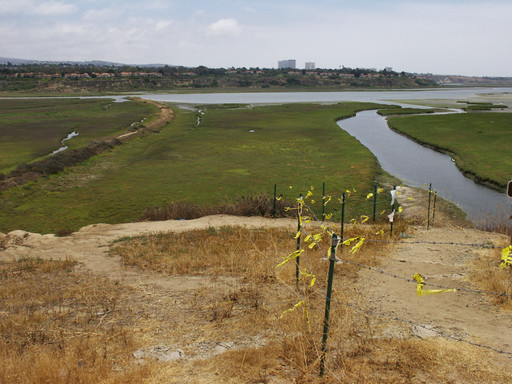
321, 97
416, 165
64, 147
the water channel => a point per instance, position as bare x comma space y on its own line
414, 164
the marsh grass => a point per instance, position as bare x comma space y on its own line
245, 206
481, 154
296, 145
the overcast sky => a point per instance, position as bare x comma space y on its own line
465, 37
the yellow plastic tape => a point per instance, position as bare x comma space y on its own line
368, 196
310, 275
364, 218
380, 190
290, 257
421, 283
300, 303
506, 257
358, 245
381, 232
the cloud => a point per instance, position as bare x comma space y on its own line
224, 27
54, 8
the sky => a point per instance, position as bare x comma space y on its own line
456, 37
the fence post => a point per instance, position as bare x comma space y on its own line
275, 197
342, 218
393, 212
299, 229
323, 201
434, 208
332, 260
374, 202
428, 213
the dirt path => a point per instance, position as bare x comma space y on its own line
465, 315
89, 246
462, 314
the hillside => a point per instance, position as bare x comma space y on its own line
217, 323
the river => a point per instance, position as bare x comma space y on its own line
399, 156
416, 165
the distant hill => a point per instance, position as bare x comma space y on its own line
96, 63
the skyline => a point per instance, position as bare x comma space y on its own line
451, 37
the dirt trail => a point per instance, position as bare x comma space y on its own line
89, 246
465, 315
462, 314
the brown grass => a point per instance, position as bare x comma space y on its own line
245, 206
489, 277
61, 324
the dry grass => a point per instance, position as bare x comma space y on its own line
259, 307
489, 277
245, 206
60, 324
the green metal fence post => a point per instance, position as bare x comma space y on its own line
428, 213
434, 208
332, 260
323, 201
374, 202
275, 198
299, 229
342, 218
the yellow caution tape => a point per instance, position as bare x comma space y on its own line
327, 199
328, 216
358, 245
380, 190
506, 257
370, 195
279, 197
300, 303
310, 275
400, 209
290, 257
381, 232
421, 283
364, 219
309, 194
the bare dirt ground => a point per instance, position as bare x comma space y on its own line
443, 255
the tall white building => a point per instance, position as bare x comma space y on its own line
310, 65
290, 63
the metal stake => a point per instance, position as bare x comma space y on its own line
332, 260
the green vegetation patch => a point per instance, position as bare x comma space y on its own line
232, 153
33, 128
479, 142
406, 111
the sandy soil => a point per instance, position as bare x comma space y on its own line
462, 314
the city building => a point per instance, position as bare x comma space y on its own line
310, 65
290, 63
